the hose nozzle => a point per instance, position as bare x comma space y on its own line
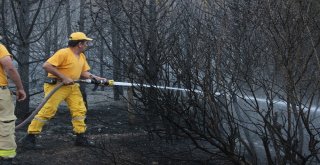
104, 83
110, 82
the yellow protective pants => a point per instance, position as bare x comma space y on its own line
69, 93
7, 125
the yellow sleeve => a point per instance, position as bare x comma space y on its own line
4, 51
57, 58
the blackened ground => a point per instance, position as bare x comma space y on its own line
116, 141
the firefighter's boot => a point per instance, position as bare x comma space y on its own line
82, 140
29, 142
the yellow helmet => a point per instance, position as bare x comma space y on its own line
79, 36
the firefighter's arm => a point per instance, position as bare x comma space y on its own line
13, 74
89, 75
53, 70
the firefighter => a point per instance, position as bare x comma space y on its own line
7, 118
65, 66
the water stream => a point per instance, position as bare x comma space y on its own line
159, 87
248, 98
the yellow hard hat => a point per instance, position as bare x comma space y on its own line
79, 36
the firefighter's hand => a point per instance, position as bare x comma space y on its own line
100, 79
67, 81
21, 95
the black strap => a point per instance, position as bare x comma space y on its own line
50, 80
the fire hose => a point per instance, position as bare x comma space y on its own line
88, 81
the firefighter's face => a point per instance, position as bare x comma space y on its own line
83, 45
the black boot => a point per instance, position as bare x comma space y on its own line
81, 140
6, 161
29, 142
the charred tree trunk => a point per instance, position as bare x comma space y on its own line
81, 28
118, 90
152, 69
23, 54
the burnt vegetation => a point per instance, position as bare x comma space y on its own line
249, 70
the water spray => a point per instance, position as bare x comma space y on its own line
150, 86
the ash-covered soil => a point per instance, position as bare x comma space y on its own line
117, 141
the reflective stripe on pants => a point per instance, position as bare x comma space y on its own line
8, 153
